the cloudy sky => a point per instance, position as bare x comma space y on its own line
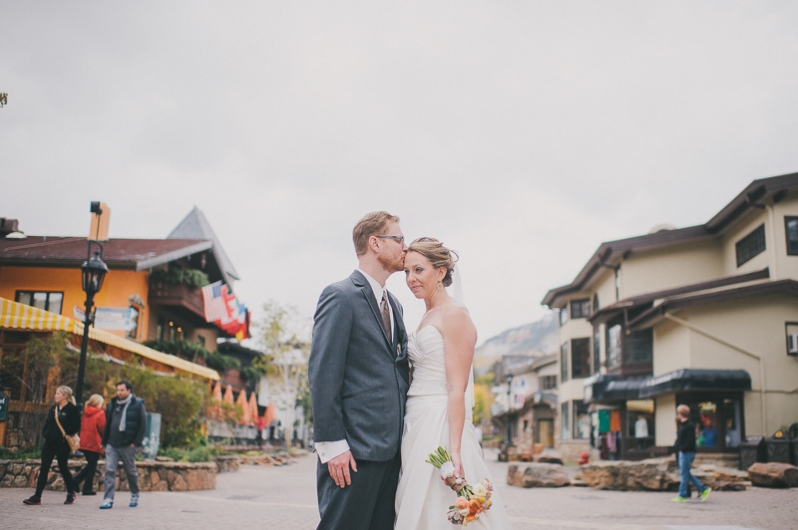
521, 133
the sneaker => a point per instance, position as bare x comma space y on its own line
107, 505
33, 501
679, 499
705, 493
71, 498
134, 500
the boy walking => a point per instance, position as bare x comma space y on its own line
685, 451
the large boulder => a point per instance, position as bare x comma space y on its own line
537, 476
773, 475
652, 474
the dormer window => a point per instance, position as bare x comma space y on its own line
580, 308
751, 245
791, 230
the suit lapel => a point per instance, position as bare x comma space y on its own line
365, 288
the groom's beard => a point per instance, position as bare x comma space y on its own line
392, 266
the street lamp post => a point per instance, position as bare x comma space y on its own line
509, 379
94, 270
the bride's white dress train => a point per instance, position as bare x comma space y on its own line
422, 499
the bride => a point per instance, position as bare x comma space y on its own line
440, 399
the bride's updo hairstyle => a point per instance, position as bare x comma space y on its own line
439, 256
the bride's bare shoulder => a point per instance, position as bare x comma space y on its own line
457, 318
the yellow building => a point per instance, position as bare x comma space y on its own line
705, 315
150, 293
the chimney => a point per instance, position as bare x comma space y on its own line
100, 219
8, 226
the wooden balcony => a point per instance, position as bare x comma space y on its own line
183, 299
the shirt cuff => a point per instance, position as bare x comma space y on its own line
329, 450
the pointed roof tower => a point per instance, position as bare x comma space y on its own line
196, 226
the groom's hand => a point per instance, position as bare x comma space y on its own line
339, 468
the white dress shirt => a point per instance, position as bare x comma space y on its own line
329, 450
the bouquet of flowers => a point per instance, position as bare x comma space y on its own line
471, 500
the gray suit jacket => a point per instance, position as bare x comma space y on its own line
358, 380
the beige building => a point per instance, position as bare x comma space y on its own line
526, 401
705, 315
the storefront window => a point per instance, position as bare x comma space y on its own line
565, 421
718, 420
640, 424
614, 346
581, 421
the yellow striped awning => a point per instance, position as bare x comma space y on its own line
14, 315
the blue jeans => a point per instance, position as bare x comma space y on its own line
685, 463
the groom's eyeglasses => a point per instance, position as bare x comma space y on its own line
400, 239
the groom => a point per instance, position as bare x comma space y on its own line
358, 375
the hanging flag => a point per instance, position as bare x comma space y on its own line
223, 309
243, 320
215, 308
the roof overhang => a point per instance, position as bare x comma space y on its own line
604, 388
611, 253
607, 313
657, 313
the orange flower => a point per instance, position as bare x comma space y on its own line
475, 507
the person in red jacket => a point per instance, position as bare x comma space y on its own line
91, 434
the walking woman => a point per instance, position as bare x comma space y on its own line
91, 442
65, 413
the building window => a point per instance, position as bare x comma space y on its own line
640, 424
791, 229
201, 340
792, 337
49, 301
581, 420
135, 317
751, 245
595, 303
639, 347
580, 308
564, 362
580, 358
565, 421
718, 420
617, 283
159, 327
613, 346
596, 350
563, 316
548, 382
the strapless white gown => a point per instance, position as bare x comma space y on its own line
422, 499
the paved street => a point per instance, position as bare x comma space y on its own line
284, 497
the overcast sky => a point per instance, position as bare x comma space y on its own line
521, 133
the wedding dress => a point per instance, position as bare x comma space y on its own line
422, 499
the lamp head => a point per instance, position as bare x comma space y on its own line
94, 271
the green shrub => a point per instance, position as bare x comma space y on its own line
181, 348
222, 363
180, 400
179, 276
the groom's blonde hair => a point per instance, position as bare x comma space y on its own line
372, 224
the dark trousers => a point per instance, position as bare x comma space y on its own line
86, 475
60, 451
367, 504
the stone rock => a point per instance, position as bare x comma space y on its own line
537, 475
7, 481
176, 481
200, 479
773, 475
651, 474
20, 481
16, 469
548, 459
164, 459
